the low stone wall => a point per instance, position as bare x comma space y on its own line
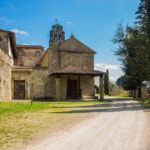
5, 76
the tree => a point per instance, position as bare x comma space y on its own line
120, 81
133, 56
143, 24
134, 48
127, 84
143, 17
106, 83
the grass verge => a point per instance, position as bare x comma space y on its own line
21, 123
22, 107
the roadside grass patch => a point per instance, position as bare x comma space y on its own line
147, 101
21, 122
20, 107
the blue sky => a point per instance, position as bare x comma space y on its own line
91, 21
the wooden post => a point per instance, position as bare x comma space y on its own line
31, 93
101, 87
79, 88
57, 81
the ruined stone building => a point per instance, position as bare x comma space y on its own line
64, 71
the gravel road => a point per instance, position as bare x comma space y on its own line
120, 125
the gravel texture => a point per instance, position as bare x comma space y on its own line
119, 125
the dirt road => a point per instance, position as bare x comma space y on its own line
120, 125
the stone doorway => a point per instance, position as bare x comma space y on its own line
72, 89
19, 89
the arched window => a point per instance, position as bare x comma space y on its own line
55, 37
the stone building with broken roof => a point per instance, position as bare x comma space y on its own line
64, 71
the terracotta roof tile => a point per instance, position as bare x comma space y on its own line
31, 46
21, 68
77, 70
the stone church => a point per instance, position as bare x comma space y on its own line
64, 71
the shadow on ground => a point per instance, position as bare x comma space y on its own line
115, 106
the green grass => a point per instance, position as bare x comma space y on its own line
21, 122
20, 107
147, 101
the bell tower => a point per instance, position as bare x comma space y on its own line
57, 34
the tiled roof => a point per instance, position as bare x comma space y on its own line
74, 45
77, 70
31, 46
21, 68
26, 68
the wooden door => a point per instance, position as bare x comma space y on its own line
72, 92
19, 89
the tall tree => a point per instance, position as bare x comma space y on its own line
143, 17
106, 83
134, 48
143, 24
133, 56
127, 84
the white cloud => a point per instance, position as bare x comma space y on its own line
20, 32
104, 66
4, 19
114, 70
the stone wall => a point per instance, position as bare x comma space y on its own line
28, 56
5, 76
39, 78
36, 82
87, 87
62, 59
24, 75
4, 41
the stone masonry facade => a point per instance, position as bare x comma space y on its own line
30, 72
5, 76
71, 58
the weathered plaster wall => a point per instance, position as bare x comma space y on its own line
4, 41
36, 82
22, 76
87, 87
5, 76
39, 78
28, 56
61, 59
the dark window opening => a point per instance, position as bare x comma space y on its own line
55, 37
1, 39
